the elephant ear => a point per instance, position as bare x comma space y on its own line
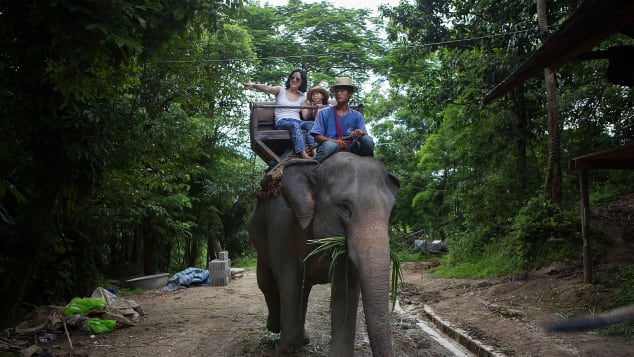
298, 189
393, 183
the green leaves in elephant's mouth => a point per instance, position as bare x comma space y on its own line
337, 247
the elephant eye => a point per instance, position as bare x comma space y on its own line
345, 210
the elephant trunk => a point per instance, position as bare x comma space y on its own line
369, 251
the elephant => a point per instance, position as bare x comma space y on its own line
345, 195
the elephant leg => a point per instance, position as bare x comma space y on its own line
269, 288
292, 310
345, 291
306, 294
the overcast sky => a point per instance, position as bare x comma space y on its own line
351, 4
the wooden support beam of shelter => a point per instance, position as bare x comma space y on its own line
621, 158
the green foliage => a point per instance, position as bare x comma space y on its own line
402, 246
337, 248
101, 134
269, 339
248, 263
610, 185
407, 254
130, 292
468, 173
494, 261
625, 296
396, 277
317, 37
626, 279
542, 232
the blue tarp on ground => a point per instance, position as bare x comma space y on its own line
188, 277
425, 246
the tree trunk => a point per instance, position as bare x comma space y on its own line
217, 247
552, 189
522, 141
149, 250
26, 244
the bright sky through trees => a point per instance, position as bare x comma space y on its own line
351, 4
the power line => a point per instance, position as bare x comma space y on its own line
303, 57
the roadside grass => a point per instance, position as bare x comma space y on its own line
505, 258
492, 262
247, 263
624, 296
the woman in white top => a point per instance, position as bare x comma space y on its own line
293, 94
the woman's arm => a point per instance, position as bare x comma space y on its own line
274, 90
307, 113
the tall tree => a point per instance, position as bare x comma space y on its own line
445, 56
63, 64
325, 41
552, 187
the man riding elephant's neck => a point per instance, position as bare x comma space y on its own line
342, 108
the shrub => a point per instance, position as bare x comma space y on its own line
542, 232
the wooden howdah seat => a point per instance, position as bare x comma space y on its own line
272, 145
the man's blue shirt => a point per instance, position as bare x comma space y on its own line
326, 125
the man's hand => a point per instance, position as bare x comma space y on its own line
341, 144
357, 133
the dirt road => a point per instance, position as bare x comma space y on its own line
504, 315
230, 321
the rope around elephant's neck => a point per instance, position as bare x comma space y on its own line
271, 183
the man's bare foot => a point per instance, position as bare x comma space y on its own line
304, 155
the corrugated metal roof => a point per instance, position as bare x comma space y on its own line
593, 22
618, 158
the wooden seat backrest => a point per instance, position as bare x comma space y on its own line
264, 114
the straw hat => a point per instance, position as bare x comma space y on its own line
319, 89
344, 82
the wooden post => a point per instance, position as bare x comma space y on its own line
585, 231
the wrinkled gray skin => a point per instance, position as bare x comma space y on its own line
346, 195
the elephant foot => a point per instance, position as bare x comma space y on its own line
273, 326
290, 351
293, 350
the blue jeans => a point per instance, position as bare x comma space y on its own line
363, 146
294, 128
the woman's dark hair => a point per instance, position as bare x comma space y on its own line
303, 86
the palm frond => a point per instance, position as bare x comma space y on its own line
397, 277
339, 248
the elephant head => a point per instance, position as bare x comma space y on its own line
352, 196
